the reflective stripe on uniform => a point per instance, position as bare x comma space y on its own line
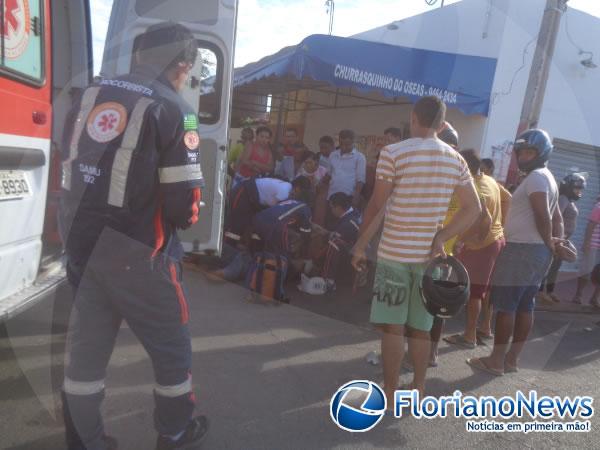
87, 103
174, 391
83, 387
230, 235
123, 156
178, 174
291, 211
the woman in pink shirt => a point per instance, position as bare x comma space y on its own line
590, 257
256, 159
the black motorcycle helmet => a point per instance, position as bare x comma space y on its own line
449, 135
445, 287
570, 183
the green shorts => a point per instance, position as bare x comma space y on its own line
396, 296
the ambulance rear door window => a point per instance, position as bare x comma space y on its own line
21, 43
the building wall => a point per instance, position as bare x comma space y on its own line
571, 107
507, 30
372, 121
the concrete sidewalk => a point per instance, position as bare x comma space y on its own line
265, 376
565, 290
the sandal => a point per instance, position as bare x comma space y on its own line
477, 363
459, 339
484, 336
554, 298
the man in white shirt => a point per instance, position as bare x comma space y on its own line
533, 231
348, 168
253, 195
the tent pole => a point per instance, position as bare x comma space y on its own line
279, 133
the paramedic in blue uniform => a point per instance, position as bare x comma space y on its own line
279, 225
255, 194
131, 178
342, 238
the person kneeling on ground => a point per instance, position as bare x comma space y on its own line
285, 226
269, 190
335, 261
252, 196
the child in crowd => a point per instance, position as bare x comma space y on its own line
312, 170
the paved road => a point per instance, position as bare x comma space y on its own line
265, 375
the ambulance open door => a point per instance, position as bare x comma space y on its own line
208, 90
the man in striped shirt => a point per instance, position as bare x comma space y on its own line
415, 181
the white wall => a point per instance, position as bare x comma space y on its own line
571, 108
457, 28
507, 30
499, 29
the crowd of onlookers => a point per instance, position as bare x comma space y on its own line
295, 202
327, 211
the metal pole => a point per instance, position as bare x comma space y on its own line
330, 4
541, 64
540, 70
279, 133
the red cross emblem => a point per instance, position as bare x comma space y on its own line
17, 25
11, 22
107, 122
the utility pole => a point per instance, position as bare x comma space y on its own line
540, 70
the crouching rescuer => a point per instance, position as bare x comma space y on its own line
131, 178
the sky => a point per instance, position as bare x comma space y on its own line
266, 26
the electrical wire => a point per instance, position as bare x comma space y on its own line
571, 40
523, 64
573, 43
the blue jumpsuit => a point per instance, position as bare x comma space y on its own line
131, 178
273, 225
342, 239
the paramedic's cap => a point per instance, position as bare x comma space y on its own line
449, 135
166, 44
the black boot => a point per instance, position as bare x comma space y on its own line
191, 438
72, 436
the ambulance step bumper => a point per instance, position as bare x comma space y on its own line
42, 288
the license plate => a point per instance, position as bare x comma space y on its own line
13, 184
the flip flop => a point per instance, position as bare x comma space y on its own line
481, 341
459, 339
510, 369
477, 363
484, 336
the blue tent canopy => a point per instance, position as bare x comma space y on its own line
463, 82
